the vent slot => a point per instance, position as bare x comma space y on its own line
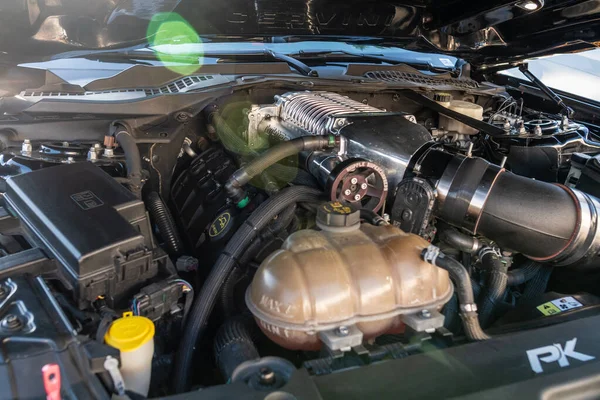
419, 79
177, 86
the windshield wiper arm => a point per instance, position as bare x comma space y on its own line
132, 54
294, 63
374, 57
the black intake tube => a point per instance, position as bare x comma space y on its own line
275, 154
163, 219
537, 218
546, 222
204, 302
234, 345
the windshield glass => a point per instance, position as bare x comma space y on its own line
578, 74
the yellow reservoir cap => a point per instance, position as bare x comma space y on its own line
129, 332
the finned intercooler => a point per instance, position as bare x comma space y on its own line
388, 139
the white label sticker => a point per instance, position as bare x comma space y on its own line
566, 303
447, 62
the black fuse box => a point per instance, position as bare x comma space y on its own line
95, 228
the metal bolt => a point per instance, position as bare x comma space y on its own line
347, 192
537, 131
146, 159
386, 217
267, 376
357, 197
365, 101
363, 186
425, 314
406, 215
396, 97
70, 160
92, 155
155, 158
97, 146
342, 331
11, 322
65, 144
26, 147
109, 152
354, 181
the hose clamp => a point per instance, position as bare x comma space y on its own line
431, 254
586, 241
469, 307
489, 250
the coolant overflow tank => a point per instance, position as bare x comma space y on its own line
346, 275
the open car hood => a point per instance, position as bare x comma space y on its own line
485, 33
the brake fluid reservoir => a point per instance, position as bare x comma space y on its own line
346, 275
463, 107
134, 337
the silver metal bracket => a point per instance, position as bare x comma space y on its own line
342, 338
424, 321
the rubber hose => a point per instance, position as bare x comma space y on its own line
372, 217
234, 345
305, 178
275, 154
234, 143
494, 289
164, 221
450, 312
274, 228
133, 160
537, 286
227, 294
463, 289
523, 274
204, 302
459, 241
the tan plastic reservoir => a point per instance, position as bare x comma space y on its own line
464, 107
365, 275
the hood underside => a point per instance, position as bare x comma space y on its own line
485, 33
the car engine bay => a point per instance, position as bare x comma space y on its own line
285, 226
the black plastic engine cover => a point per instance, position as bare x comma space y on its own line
34, 332
97, 230
412, 206
200, 202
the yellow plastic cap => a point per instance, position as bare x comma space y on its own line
129, 332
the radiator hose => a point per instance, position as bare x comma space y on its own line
464, 291
163, 219
234, 344
241, 177
495, 287
523, 274
205, 301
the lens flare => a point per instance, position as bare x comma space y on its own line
176, 43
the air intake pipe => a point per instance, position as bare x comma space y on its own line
546, 222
